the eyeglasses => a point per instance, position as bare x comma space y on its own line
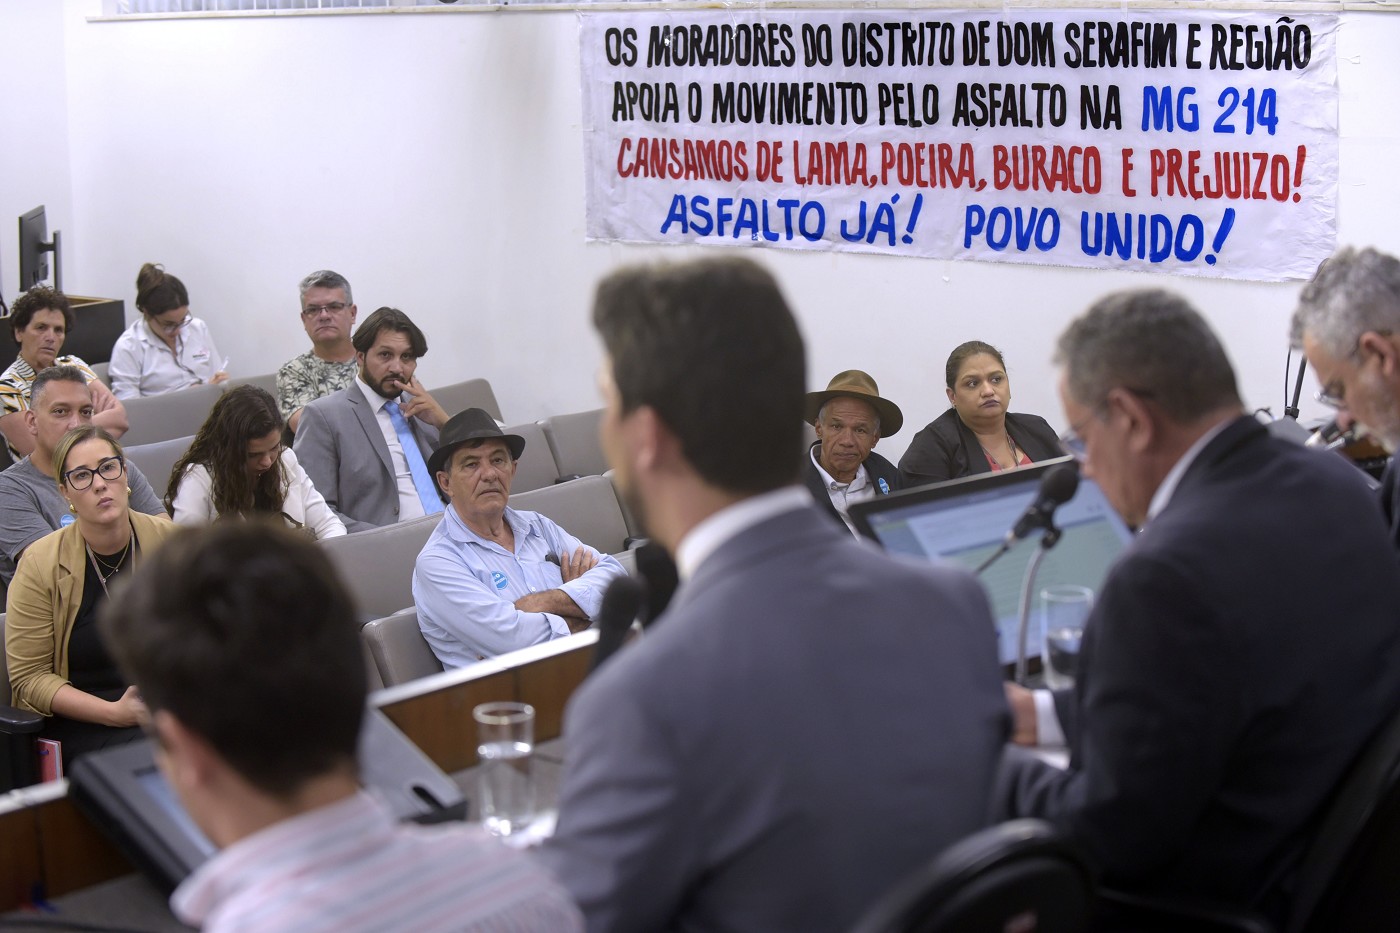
314, 311
1333, 395
109, 468
1072, 444
172, 328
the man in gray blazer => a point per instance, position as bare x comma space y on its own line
811, 719
366, 447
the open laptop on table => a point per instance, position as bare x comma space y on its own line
964, 520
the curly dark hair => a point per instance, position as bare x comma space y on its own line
242, 414
39, 298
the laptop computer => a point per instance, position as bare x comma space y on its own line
965, 520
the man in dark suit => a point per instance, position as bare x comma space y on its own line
366, 447
810, 719
1348, 325
842, 468
1218, 700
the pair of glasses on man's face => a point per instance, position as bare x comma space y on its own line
109, 468
314, 311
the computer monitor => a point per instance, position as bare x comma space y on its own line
123, 791
34, 244
965, 520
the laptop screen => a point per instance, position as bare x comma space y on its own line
965, 520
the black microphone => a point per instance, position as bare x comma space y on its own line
657, 569
1331, 436
621, 603
1056, 488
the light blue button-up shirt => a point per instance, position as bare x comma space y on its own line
465, 587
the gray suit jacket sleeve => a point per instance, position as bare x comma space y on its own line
318, 452
617, 820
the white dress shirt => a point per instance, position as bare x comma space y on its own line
410, 506
842, 495
194, 503
707, 537
143, 363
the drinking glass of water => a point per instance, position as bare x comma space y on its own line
1064, 607
505, 735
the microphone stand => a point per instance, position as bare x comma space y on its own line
1047, 541
1290, 410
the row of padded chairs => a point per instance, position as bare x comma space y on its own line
155, 418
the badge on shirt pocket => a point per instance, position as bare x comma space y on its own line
499, 579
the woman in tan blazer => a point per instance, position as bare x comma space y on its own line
58, 665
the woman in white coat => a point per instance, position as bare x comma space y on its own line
237, 465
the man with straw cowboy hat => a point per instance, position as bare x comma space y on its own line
841, 467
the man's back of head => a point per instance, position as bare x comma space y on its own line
713, 349
246, 636
1153, 343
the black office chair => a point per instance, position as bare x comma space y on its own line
1350, 876
1022, 875
19, 758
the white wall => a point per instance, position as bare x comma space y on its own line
34, 157
436, 160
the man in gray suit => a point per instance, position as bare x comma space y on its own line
366, 446
811, 719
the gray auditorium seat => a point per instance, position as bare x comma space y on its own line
267, 381
536, 466
634, 527
474, 393
574, 440
398, 648
157, 460
164, 417
101, 370
377, 565
586, 508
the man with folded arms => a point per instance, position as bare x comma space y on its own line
492, 579
366, 446
810, 719
244, 645
30, 504
1218, 702
842, 468
1348, 325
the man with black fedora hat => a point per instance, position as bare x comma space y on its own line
492, 579
842, 467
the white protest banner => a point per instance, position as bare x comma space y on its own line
1191, 142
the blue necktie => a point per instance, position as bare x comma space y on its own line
427, 489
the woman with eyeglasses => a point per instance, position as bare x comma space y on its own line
58, 665
238, 466
977, 434
168, 349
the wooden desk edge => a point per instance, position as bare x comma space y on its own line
52, 848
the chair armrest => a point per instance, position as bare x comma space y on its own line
1148, 914
15, 721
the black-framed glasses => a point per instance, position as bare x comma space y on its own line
314, 311
109, 468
